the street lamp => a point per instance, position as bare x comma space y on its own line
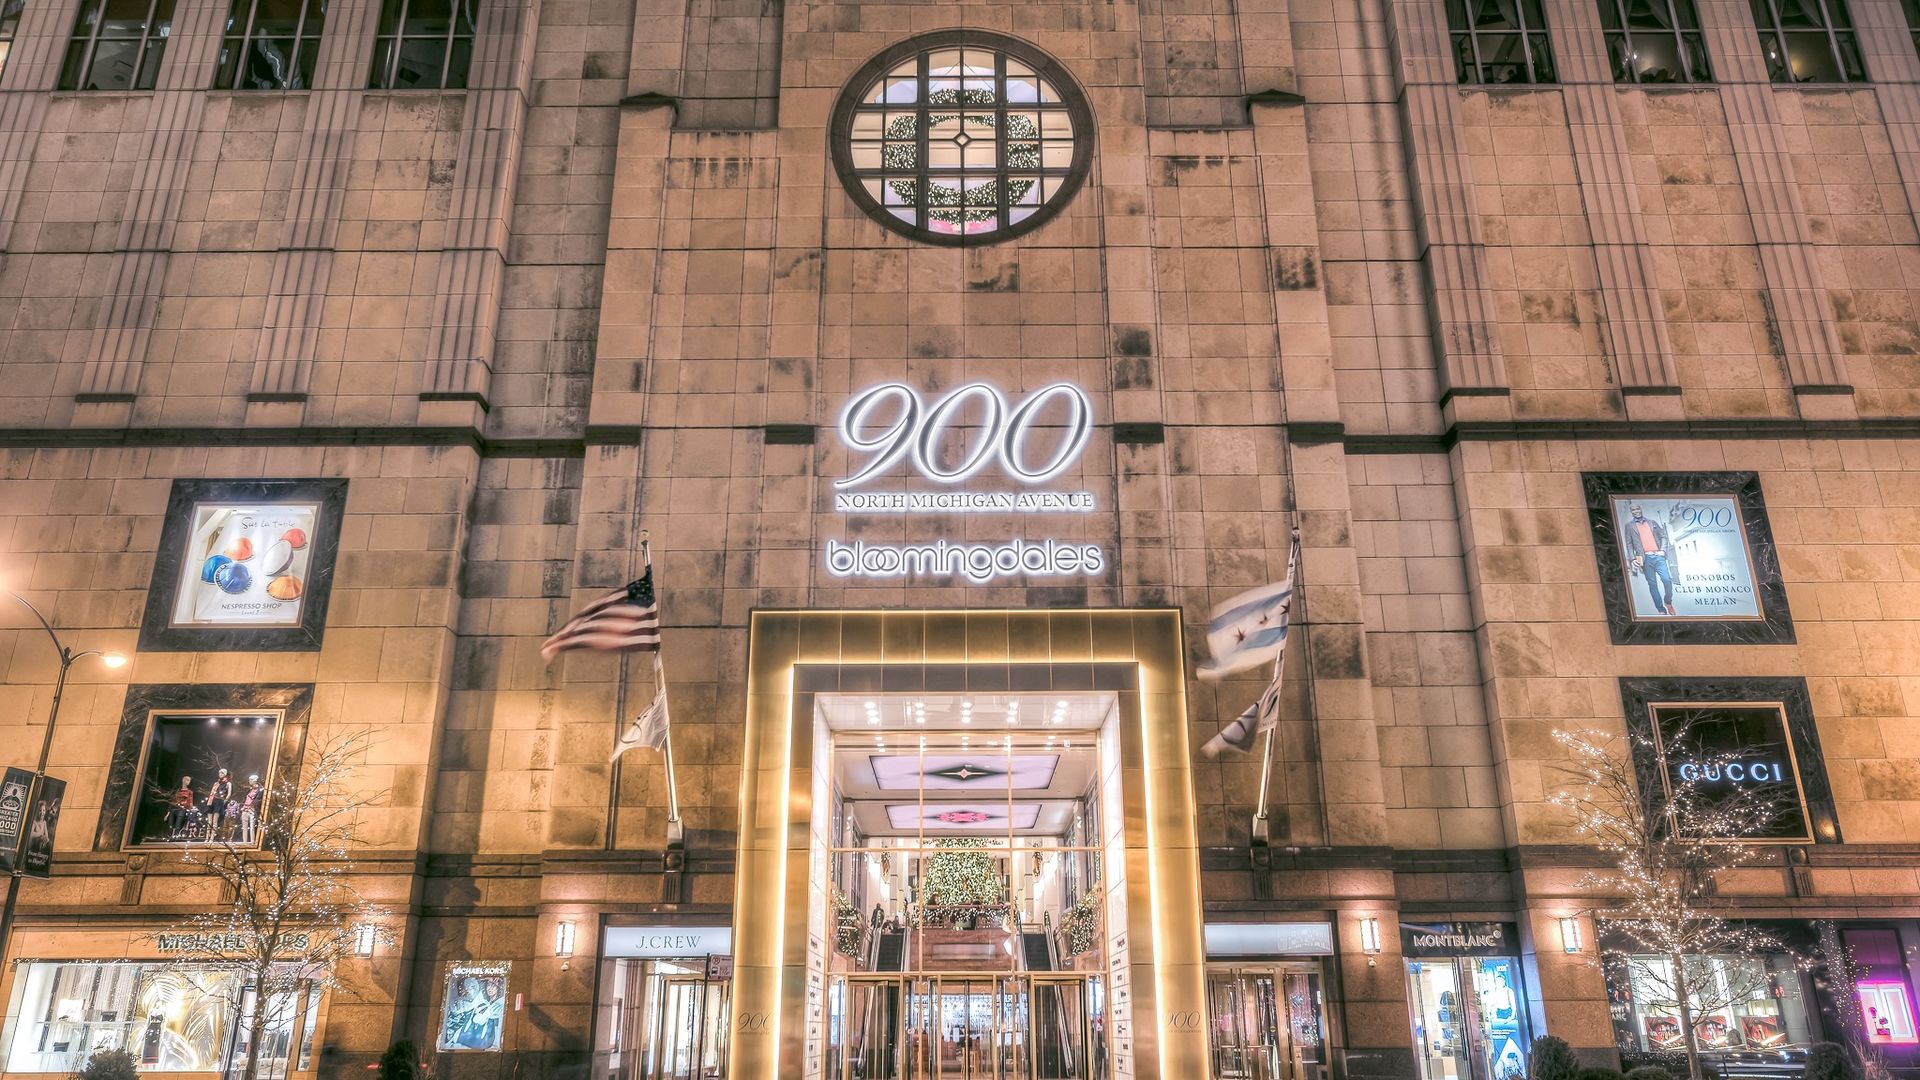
67, 659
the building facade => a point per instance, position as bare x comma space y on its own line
950, 363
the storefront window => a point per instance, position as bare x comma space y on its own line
206, 778
171, 1018
1469, 1017
1742, 1007
1886, 997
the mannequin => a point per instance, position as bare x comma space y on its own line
218, 796
250, 808
180, 818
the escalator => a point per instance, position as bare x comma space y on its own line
892, 953
1037, 951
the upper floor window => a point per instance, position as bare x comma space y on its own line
117, 45
1808, 41
9, 24
1497, 42
1655, 41
270, 45
423, 45
1912, 8
961, 137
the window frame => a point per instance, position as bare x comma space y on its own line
384, 67
149, 52
11, 12
1911, 9
1073, 102
1772, 30
292, 703
159, 632
312, 13
1643, 699
1616, 10
1624, 625
131, 841
1460, 26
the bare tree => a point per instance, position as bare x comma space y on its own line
1665, 845
290, 908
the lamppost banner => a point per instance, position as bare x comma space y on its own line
43, 817
15, 786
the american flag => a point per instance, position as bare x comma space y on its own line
624, 621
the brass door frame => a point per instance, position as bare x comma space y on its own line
906, 982
1157, 979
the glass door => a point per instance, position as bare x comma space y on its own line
965, 1038
1439, 1020
1061, 1037
961, 1027
1469, 1017
691, 1040
1246, 1036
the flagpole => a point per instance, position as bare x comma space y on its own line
1262, 823
675, 834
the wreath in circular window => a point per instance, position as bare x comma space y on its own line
961, 137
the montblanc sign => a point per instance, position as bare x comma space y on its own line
891, 425
1459, 939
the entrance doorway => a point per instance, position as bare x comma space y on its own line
967, 932
670, 1022
1469, 1017
899, 817
957, 1027
1267, 1022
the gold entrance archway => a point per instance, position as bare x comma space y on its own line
1158, 969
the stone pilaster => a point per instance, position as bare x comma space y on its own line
1463, 309
1636, 328
466, 303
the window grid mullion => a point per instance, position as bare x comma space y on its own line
1002, 185
146, 38
92, 43
1526, 38
923, 139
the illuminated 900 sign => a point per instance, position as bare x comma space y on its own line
916, 431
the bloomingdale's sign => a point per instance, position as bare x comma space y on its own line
891, 424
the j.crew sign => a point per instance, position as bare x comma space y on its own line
668, 942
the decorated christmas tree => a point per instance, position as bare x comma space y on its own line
964, 874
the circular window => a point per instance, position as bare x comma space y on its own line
962, 137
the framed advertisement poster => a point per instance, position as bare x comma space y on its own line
1686, 558
473, 1014
244, 565
15, 788
43, 822
1748, 743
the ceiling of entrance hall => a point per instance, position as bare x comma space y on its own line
940, 764
977, 714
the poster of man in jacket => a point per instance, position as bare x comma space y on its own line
1685, 557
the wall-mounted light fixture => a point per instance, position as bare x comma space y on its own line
1370, 937
563, 938
1570, 933
364, 937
